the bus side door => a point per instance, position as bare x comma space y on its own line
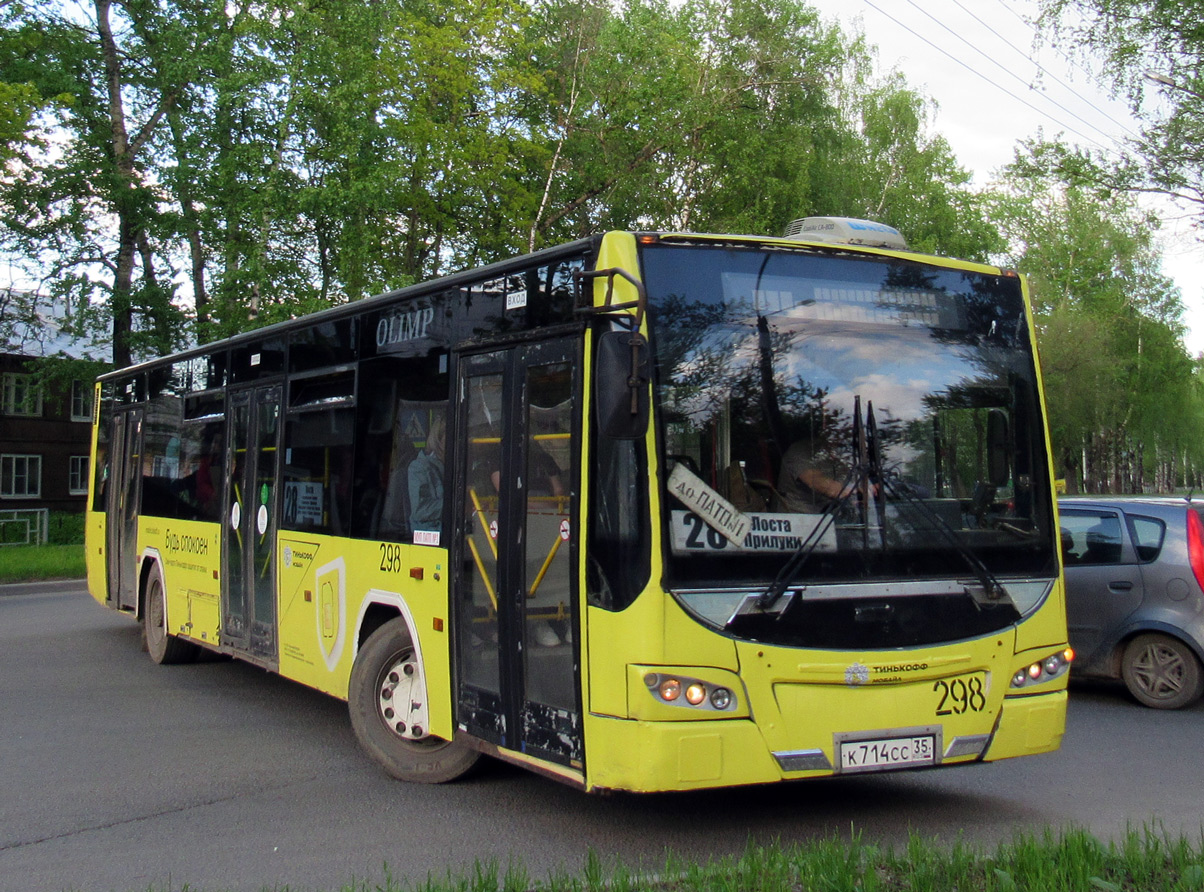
517, 642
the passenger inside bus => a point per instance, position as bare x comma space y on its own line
810, 478
425, 478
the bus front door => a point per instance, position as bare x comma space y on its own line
518, 674
125, 496
249, 575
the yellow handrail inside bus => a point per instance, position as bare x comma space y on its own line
546, 564
480, 512
476, 557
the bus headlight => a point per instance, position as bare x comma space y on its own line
679, 690
1045, 669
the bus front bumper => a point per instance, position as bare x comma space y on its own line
650, 756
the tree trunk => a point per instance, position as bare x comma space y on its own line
127, 235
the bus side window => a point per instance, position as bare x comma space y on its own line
617, 566
398, 398
317, 470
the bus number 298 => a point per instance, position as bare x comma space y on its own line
390, 557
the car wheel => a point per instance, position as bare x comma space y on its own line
1162, 672
379, 679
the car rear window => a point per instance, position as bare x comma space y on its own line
1148, 534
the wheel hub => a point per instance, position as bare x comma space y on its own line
401, 699
1160, 672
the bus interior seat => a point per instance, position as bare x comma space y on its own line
740, 490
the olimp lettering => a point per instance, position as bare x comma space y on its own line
405, 326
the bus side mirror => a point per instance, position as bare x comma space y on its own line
621, 384
998, 448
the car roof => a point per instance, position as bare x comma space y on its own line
1126, 503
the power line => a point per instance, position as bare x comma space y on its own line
978, 73
1010, 73
1005, 42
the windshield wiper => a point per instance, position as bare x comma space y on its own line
856, 482
992, 590
868, 473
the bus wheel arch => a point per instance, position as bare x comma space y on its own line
385, 667
164, 648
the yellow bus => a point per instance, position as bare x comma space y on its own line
642, 512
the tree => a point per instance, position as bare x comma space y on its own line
1145, 45
244, 163
79, 204
1121, 390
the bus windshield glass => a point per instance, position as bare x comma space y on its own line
847, 419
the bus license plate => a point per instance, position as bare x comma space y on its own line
887, 753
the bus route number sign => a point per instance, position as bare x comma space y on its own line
766, 532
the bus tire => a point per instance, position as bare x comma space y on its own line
162, 646
430, 760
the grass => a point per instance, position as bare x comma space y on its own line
28, 563
1070, 861
1073, 861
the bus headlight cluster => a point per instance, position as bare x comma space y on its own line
1044, 670
678, 690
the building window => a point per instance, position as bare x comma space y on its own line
20, 476
81, 400
22, 395
77, 476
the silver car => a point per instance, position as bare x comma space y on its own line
1135, 594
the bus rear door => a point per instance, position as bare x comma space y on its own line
249, 576
125, 496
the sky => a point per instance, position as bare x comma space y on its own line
995, 84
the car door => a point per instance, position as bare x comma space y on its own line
1103, 580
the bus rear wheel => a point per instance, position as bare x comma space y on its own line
380, 661
162, 646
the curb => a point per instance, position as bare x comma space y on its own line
29, 588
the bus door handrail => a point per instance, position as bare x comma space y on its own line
640, 304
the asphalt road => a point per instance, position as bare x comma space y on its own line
116, 774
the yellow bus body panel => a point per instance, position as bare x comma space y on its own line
95, 556
327, 584
189, 555
1029, 725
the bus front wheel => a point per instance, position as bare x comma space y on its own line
429, 760
162, 646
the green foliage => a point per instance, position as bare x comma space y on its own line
240, 163
1067, 861
1135, 38
1125, 404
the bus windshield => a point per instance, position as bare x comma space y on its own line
847, 420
